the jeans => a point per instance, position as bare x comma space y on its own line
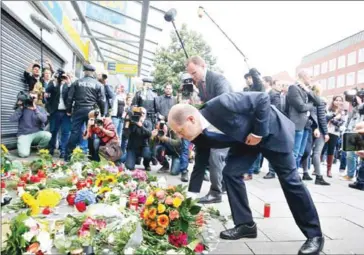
132, 155
184, 157
343, 162
59, 120
93, 148
360, 177
165, 149
351, 160
305, 159
256, 165
24, 142
118, 123
83, 143
318, 144
300, 141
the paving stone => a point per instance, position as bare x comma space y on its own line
280, 229
339, 228
232, 247
262, 237
275, 247
353, 200
348, 246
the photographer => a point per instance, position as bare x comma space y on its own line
100, 131
359, 184
139, 130
31, 122
167, 143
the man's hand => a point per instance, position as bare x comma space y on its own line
360, 154
316, 133
154, 133
139, 124
327, 137
252, 139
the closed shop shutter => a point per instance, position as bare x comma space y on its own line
18, 49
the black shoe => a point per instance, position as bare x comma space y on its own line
184, 177
306, 177
241, 231
312, 246
269, 175
138, 161
154, 161
163, 170
357, 185
210, 199
320, 181
147, 168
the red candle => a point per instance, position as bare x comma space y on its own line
3, 185
133, 202
266, 210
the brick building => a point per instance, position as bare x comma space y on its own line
338, 67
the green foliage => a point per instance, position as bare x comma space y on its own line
15, 243
169, 63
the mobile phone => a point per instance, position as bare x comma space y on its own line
353, 141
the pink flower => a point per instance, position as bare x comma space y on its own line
178, 240
83, 233
160, 194
142, 199
179, 195
169, 200
139, 175
174, 214
100, 224
199, 248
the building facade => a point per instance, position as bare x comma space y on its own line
338, 67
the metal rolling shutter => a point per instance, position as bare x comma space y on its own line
19, 49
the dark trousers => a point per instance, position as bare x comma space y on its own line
360, 177
132, 155
161, 150
59, 120
184, 157
305, 160
93, 148
298, 197
198, 172
79, 117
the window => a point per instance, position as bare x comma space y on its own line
323, 84
324, 67
361, 76
316, 70
341, 62
331, 82
332, 65
341, 81
350, 79
352, 58
361, 55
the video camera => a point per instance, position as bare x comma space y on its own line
135, 114
25, 100
60, 74
98, 122
187, 86
350, 96
161, 124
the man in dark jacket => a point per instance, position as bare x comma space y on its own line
56, 106
247, 124
165, 102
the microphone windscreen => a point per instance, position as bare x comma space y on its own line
170, 15
42, 23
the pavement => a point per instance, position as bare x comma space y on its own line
341, 211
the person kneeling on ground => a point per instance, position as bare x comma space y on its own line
31, 120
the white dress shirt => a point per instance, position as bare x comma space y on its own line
61, 105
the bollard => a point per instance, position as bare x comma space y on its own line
266, 210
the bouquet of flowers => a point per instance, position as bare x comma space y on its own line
78, 156
84, 198
47, 198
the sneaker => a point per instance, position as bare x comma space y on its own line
347, 178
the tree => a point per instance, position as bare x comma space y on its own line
169, 63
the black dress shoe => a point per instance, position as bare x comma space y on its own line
210, 199
241, 231
312, 246
357, 185
184, 177
306, 177
269, 175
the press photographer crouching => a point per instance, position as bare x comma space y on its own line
100, 133
31, 120
359, 184
138, 129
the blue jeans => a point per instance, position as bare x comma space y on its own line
93, 148
132, 155
300, 141
59, 120
343, 161
184, 157
118, 123
256, 165
83, 143
165, 149
124, 143
351, 159
360, 177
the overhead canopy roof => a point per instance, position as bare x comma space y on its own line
122, 31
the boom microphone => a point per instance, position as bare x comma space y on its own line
170, 15
42, 23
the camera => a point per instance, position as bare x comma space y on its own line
135, 114
98, 122
350, 96
60, 74
25, 100
161, 128
187, 86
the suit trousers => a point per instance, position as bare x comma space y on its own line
298, 197
215, 159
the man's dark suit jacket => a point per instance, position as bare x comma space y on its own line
53, 100
241, 113
216, 84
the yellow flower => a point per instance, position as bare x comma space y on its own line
26, 197
104, 190
48, 198
150, 200
111, 179
177, 202
77, 150
152, 213
161, 208
4, 149
43, 151
160, 231
34, 209
145, 213
111, 163
98, 182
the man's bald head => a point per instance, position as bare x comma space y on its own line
180, 112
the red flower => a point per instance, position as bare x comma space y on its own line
3, 185
39, 253
46, 211
81, 184
24, 177
41, 174
34, 179
200, 248
71, 199
89, 182
80, 206
178, 240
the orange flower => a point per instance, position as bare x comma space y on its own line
153, 225
147, 222
163, 221
200, 220
160, 231
145, 213
171, 188
152, 213
174, 214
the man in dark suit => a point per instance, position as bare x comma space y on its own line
248, 124
210, 85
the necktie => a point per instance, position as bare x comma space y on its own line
217, 136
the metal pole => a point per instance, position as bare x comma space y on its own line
41, 51
180, 40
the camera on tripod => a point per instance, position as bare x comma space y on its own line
135, 114
187, 86
24, 99
350, 96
